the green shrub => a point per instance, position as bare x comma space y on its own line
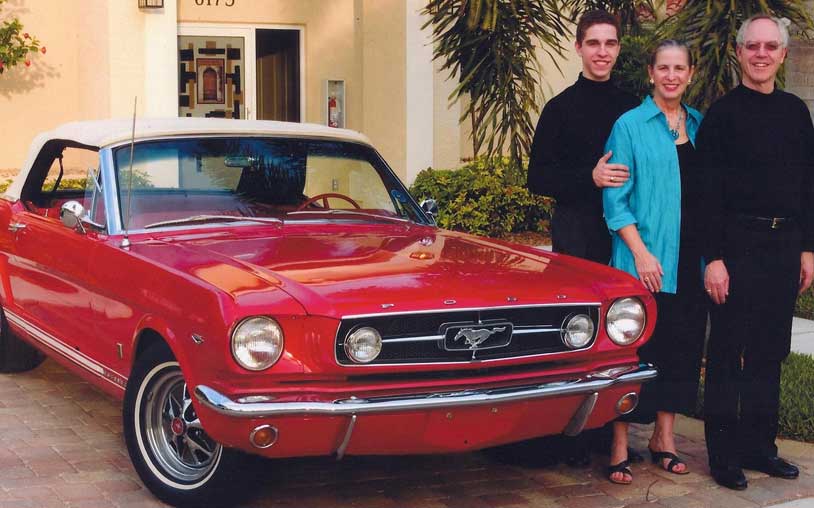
805, 304
484, 197
65, 184
797, 398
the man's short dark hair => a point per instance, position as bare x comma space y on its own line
596, 17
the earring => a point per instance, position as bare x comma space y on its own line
689, 81
651, 81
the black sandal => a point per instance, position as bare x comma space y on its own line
622, 467
658, 458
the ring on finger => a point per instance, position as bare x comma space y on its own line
613, 179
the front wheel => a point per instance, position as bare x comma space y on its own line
171, 452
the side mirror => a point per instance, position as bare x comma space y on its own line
430, 207
71, 214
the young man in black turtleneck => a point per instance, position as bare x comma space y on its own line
568, 163
567, 160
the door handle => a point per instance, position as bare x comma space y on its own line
16, 226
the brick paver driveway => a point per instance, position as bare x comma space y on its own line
61, 445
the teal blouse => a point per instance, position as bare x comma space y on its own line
651, 198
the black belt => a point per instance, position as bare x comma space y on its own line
767, 223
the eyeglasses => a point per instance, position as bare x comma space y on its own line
768, 46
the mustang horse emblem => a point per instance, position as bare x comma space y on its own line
475, 337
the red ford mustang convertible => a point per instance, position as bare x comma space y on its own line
272, 288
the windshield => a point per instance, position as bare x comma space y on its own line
196, 181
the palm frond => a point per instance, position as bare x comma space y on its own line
489, 47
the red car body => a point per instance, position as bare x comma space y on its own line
96, 305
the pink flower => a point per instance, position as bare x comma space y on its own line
26, 36
1, 64
43, 50
28, 63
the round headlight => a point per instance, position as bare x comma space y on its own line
363, 345
625, 322
577, 331
257, 343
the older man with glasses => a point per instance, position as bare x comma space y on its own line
757, 148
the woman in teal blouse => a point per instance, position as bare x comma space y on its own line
649, 219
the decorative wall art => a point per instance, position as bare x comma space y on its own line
210, 76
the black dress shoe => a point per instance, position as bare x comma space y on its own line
730, 477
772, 466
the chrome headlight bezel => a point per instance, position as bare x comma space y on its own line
570, 327
353, 341
251, 336
626, 320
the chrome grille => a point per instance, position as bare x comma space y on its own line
420, 337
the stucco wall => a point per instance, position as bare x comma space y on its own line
800, 71
384, 74
104, 53
69, 82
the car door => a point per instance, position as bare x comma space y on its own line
51, 283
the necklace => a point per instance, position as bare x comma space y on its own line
674, 129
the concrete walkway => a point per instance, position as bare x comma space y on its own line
61, 447
802, 336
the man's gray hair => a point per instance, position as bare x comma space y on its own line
782, 26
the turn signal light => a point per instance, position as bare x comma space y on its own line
263, 436
627, 403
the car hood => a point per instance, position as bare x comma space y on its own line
350, 271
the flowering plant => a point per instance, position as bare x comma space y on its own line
16, 45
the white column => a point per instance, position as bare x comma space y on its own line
419, 91
161, 61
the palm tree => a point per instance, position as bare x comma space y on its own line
709, 27
489, 47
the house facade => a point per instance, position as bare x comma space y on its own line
361, 64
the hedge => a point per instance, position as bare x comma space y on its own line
484, 197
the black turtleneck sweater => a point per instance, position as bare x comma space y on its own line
757, 157
570, 138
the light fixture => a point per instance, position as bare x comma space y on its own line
150, 4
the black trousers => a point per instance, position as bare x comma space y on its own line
750, 337
580, 232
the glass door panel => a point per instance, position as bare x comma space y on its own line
212, 76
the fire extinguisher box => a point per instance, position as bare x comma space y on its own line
335, 106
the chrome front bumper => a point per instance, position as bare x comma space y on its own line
264, 406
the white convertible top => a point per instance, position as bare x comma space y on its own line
103, 133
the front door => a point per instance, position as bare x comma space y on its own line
212, 76
240, 72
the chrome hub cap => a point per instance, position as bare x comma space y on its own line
173, 430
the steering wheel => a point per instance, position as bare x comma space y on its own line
324, 198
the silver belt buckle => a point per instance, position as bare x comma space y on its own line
775, 222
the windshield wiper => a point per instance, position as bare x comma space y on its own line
334, 211
213, 218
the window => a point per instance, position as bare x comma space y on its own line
67, 173
210, 179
